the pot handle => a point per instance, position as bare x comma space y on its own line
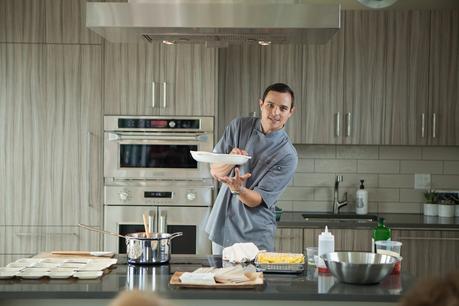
175, 235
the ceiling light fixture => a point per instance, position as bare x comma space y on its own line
377, 4
264, 42
168, 42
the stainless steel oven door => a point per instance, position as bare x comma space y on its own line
133, 155
189, 220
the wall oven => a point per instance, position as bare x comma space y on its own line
148, 169
154, 147
185, 206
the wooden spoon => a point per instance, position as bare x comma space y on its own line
145, 225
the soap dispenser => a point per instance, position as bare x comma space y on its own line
361, 200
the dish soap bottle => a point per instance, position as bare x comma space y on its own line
381, 232
326, 245
361, 200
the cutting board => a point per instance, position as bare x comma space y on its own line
175, 281
49, 255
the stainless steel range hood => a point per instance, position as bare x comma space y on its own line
225, 22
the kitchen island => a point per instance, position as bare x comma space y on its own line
308, 288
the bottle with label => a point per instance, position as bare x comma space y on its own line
326, 245
361, 200
381, 232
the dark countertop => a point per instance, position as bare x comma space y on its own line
308, 286
394, 221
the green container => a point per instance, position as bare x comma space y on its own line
279, 212
381, 232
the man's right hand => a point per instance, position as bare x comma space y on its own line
221, 170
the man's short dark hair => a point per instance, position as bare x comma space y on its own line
279, 87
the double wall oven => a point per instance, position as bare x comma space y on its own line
148, 169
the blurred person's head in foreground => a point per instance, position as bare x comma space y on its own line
440, 291
138, 298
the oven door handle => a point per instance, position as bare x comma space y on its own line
124, 136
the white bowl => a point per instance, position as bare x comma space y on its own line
216, 158
61, 274
32, 274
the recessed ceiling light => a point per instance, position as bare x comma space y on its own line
168, 42
264, 42
377, 4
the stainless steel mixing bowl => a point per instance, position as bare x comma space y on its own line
359, 267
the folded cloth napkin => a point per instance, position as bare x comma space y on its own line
240, 252
197, 278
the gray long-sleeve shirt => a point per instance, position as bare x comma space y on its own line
273, 164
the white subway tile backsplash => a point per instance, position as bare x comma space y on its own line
440, 153
378, 166
451, 167
285, 205
297, 194
445, 182
396, 180
305, 165
357, 152
388, 172
404, 208
313, 179
316, 151
400, 152
411, 195
384, 194
421, 166
335, 166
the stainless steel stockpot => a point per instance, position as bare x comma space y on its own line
143, 250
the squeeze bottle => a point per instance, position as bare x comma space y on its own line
326, 245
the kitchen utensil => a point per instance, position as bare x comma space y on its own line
359, 267
84, 253
144, 250
228, 159
145, 225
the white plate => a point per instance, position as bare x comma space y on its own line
74, 265
215, 158
32, 274
6, 273
47, 265
69, 270
88, 274
61, 274
36, 270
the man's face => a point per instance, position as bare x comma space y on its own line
275, 110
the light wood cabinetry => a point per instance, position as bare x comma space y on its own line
239, 83
322, 93
406, 77
51, 129
441, 117
45, 21
283, 64
345, 239
156, 79
289, 240
428, 252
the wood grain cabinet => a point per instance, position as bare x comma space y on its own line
289, 240
428, 252
157, 79
51, 112
345, 239
441, 116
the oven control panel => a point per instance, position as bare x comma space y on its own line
159, 195
147, 123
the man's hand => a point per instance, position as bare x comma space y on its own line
237, 182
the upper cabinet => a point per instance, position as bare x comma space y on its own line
45, 21
240, 83
406, 77
157, 79
441, 117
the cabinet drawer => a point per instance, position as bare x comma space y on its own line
35, 239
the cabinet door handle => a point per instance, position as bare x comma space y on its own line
348, 124
337, 124
153, 94
89, 165
164, 94
423, 124
434, 125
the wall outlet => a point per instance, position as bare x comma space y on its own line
422, 181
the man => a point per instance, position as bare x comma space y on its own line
244, 210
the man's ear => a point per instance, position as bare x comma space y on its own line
292, 110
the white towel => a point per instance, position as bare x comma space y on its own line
240, 252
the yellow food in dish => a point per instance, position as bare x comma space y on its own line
280, 258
